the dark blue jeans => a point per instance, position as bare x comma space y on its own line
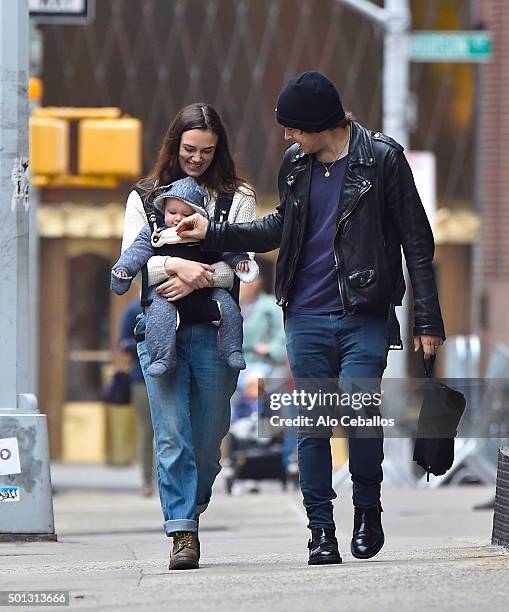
341, 348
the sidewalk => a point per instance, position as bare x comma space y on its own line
112, 554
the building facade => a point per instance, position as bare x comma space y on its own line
150, 58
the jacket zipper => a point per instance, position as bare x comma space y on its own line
361, 193
282, 300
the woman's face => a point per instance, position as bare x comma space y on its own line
197, 148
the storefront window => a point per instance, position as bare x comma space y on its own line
89, 326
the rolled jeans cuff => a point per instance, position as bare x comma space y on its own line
174, 525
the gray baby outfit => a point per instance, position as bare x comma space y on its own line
201, 305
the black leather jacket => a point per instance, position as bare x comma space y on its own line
380, 212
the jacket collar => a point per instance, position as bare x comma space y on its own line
298, 155
360, 151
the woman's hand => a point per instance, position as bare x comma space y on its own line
174, 289
193, 273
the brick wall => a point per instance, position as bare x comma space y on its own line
492, 266
500, 535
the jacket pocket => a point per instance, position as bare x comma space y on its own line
358, 280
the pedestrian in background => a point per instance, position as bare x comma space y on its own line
348, 203
139, 398
265, 348
190, 406
264, 334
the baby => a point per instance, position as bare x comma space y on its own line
183, 198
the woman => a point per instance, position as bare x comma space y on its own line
191, 407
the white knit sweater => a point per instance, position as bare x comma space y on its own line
243, 209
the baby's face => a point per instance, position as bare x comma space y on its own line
175, 210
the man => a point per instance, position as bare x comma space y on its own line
348, 203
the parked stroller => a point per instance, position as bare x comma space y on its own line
252, 458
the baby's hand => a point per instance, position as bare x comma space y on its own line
120, 273
243, 266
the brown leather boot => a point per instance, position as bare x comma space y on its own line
185, 553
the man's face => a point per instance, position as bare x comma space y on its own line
175, 210
310, 142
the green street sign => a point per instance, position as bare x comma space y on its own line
455, 46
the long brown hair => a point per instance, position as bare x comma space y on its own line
221, 175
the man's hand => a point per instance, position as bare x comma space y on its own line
174, 289
429, 344
193, 227
193, 273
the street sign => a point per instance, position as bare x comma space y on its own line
68, 12
457, 46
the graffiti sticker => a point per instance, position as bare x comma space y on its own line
20, 179
9, 494
5, 454
9, 457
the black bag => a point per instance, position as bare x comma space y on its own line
118, 390
441, 411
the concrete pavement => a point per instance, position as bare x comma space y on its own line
112, 555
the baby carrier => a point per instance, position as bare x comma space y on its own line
155, 220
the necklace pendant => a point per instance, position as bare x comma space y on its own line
327, 173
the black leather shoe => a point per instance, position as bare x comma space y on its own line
323, 547
368, 535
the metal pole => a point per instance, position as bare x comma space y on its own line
35, 63
396, 70
396, 76
25, 489
367, 9
395, 20
14, 202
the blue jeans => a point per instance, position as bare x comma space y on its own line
335, 347
190, 411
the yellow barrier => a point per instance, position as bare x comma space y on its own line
49, 146
110, 147
84, 432
70, 113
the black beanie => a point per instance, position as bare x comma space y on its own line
309, 102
